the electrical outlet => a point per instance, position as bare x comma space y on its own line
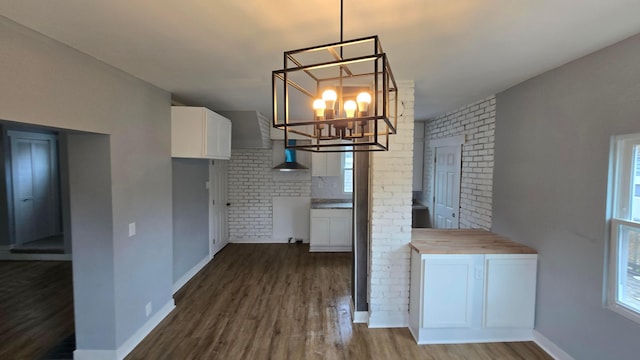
147, 309
132, 229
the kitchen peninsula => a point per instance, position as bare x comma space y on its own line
470, 286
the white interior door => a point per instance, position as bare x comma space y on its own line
218, 206
447, 187
223, 195
35, 187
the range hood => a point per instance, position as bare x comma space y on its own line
290, 163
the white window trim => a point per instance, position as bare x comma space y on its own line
342, 174
619, 187
612, 291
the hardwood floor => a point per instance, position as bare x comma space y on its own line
273, 301
36, 307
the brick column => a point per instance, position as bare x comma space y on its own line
391, 195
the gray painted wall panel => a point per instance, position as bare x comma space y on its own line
93, 283
550, 190
47, 83
190, 214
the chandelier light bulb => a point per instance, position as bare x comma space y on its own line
350, 108
329, 97
363, 99
318, 107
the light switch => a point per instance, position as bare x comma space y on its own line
206, 185
132, 229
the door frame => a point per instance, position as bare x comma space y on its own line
218, 191
458, 140
12, 135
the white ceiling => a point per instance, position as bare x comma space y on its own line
221, 53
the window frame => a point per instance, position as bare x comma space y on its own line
342, 172
619, 214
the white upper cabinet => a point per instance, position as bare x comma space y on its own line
326, 164
198, 132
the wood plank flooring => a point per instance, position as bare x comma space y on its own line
36, 307
278, 301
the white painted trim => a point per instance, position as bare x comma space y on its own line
94, 355
552, 349
269, 240
139, 335
191, 273
448, 141
6, 254
386, 320
323, 248
360, 317
130, 343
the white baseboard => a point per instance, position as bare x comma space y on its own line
329, 248
130, 343
94, 355
360, 317
139, 335
253, 241
6, 254
264, 241
191, 273
388, 320
552, 349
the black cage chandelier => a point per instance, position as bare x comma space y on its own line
342, 96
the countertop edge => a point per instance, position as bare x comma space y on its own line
466, 242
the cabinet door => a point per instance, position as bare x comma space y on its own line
318, 164
510, 290
224, 139
448, 291
319, 231
210, 135
326, 164
217, 134
340, 229
334, 164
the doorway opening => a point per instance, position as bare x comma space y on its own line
33, 192
446, 199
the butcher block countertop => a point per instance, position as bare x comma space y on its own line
464, 241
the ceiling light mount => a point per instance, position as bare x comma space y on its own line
342, 96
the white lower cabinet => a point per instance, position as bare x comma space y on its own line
465, 298
330, 230
449, 299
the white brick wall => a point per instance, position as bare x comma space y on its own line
391, 184
477, 122
252, 185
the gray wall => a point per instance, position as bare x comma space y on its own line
550, 191
190, 214
93, 255
47, 83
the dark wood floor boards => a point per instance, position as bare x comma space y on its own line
36, 307
254, 301
278, 301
